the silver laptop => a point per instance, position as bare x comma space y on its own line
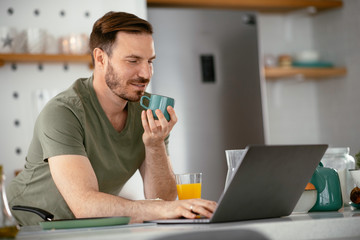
267, 184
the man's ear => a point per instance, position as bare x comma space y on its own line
100, 58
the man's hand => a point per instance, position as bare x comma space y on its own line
160, 209
155, 131
191, 208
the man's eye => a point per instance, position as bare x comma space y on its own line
132, 61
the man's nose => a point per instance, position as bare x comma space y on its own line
146, 71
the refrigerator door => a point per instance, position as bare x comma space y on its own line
208, 61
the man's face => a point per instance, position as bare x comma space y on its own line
130, 67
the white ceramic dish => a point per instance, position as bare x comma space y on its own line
306, 201
307, 56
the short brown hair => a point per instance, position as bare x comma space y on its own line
104, 31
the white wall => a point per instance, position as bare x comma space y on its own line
313, 111
337, 34
28, 81
289, 102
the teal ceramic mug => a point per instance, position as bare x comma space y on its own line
157, 102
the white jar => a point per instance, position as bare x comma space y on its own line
340, 160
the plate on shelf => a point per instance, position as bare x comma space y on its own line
315, 64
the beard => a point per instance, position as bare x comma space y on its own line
118, 86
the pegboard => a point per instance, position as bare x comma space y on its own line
26, 87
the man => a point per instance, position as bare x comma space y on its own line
90, 139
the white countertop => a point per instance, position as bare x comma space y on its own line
343, 224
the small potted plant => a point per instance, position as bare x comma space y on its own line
357, 159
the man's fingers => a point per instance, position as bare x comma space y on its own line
199, 207
152, 125
144, 121
173, 117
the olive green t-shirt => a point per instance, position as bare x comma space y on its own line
74, 122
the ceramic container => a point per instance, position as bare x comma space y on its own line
7, 39
327, 184
306, 201
35, 40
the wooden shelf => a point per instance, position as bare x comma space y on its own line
272, 73
31, 58
253, 5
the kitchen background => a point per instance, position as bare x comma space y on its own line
293, 109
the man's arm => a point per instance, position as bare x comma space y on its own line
77, 183
156, 170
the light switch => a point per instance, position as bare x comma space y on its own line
207, 68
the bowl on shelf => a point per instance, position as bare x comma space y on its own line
307, 199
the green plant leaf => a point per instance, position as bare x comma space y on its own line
357, 158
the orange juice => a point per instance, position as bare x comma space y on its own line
188, 191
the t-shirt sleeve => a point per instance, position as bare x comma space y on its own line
60, 132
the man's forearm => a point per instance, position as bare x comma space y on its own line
98, 204
79, 187
159, 179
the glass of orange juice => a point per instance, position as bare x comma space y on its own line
188, 185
